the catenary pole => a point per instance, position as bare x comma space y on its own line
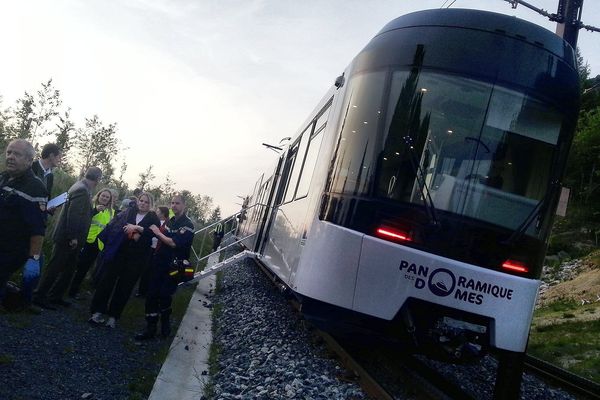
569, 20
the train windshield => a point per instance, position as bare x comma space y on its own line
481, 151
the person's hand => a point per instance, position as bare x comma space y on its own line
51, 209
100, 207
130, 229
154, 229
31, 270
73, 243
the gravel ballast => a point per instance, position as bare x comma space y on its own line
59, 355
266, 351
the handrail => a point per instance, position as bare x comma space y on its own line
226, 247
230, 217
234, 227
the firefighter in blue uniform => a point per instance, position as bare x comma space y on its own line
23, 199
173, 246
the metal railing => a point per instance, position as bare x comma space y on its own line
230, 226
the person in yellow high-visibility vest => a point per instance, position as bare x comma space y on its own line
101, 216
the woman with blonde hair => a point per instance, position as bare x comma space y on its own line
130, 237
102, 213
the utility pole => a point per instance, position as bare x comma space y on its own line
568, 17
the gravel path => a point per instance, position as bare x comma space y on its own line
266, 352
59, 355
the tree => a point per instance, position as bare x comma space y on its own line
65, 128
215, 215
96, 145
119, 183
583, 172
204, 205
32, 117
583, 67
145, 178
167, 188
4, 125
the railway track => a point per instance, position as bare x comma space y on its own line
573, 383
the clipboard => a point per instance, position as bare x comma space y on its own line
58, 200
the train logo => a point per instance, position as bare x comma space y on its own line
442, 282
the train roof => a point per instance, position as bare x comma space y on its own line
483, 21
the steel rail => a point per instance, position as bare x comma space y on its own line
565, 379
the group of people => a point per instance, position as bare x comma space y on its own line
138, 243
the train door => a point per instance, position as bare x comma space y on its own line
284, 169
267, 209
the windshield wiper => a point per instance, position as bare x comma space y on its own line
425, 193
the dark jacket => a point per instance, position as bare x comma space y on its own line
76, 215
22, 205
113, 236
48, 180
116, 240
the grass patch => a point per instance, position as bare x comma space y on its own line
572, 345
556, 310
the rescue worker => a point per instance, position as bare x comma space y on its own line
23, 200
217, 236
173, 245
43, 168
101, 216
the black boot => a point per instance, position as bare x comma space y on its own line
150, 331
165, 323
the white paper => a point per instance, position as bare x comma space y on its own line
58, 200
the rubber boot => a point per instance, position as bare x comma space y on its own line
150, 331
165, 323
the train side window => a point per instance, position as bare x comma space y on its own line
297, 167
289, 165
309, 163
314, 144
322, 119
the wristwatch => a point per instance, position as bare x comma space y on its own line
36, 257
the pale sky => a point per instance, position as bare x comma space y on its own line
196, 86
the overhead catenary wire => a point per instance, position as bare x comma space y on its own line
551, 16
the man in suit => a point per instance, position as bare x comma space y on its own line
69, 237
43, 167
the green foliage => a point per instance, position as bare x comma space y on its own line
97, 144
571, 345
145, 178
34, 116
215, 215
582, 176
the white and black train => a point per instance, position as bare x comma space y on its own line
417, 198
